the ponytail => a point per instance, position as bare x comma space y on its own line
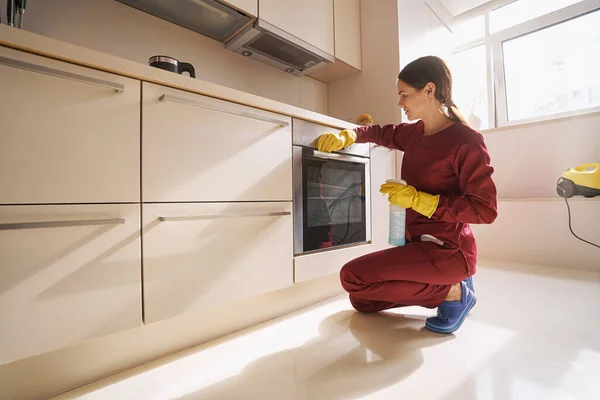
454, 113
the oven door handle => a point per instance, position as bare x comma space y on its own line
336, 156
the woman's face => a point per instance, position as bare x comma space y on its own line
413, 101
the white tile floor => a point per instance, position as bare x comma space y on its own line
534, 334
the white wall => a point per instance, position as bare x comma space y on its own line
114, 28
536, 232
532, 225
529, 159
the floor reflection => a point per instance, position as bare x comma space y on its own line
354, 355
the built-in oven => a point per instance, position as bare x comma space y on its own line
332, 206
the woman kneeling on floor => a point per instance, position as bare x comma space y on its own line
449, 185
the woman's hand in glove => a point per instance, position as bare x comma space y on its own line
407, 196
329, 142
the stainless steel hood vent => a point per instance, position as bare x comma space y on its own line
207, 17
271, 45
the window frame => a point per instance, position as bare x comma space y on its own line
496, 80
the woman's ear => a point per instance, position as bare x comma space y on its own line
430, 90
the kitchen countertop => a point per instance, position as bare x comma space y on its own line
59, 50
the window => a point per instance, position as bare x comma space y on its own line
522, 11
469, 85
527, 60
554, 70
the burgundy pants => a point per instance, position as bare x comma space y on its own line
416, 274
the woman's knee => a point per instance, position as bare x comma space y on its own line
364, 306
345, 276
350, 276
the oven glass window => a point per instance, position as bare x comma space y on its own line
333, 202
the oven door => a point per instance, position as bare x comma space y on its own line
331, 200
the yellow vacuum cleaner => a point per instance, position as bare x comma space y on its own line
583, 180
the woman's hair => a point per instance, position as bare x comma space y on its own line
433, 69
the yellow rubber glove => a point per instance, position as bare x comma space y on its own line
407, 196
329, 142
364, 119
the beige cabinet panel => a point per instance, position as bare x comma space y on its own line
347, 32
196, 148
309, 20
67, 136
68, 273
333, 72
348, 45
199, 256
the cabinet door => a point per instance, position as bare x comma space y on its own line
347, 32
196, 148
69, 134
67, 274
309, 20
199, 256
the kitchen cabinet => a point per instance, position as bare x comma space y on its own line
196, 148
309, 20
347, 32
347, 36
199, 256
68, 273
247, 6
70, 134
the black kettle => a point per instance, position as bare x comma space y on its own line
171, 64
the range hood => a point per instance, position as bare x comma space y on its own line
207, 17
268, 44
241, 33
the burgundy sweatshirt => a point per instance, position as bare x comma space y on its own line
453, 163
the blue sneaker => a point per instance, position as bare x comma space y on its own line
451, 314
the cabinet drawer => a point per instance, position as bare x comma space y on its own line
67, 274
196, 148
67, 135
199, 256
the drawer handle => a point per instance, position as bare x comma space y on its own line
40, 69
181, 100
61, 224
201, 217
